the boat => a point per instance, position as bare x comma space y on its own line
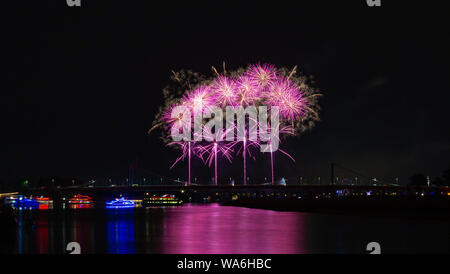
28, 203
44, 202
80, 199
137, 203
25, 203
13, 199
120, 203
22, 202
164, 200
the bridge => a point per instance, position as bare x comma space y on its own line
226, 192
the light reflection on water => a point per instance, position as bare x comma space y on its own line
213, 229
120, 236
80, 206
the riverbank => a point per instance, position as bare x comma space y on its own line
397, 207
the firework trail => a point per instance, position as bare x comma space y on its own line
287, 130
209, 152
247, 144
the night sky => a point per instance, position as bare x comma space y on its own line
83, 84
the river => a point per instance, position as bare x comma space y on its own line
215, 229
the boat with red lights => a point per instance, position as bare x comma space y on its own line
44, 202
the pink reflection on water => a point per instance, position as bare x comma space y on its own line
216, 229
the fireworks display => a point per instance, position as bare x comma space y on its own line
257, 85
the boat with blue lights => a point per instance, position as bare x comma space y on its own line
13, 200
120, 203
21, 202
28, 203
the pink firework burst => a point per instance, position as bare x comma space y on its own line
248, 91
200, 97
261, 75
168, 120
224, 90
288, 97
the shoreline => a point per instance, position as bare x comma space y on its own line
403, 208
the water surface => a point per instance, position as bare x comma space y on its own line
211, 228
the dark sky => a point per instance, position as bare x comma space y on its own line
83, 84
